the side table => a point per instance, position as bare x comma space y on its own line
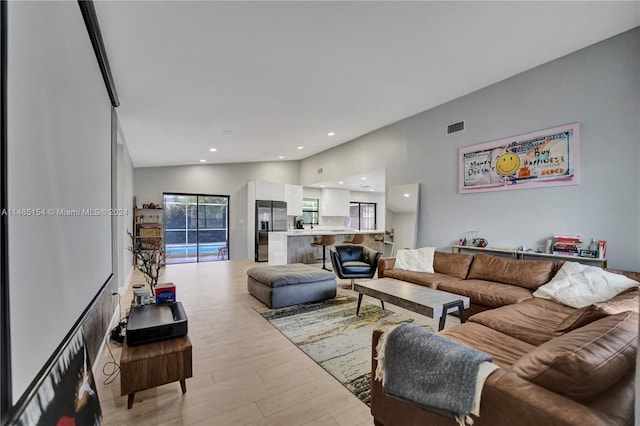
153, 364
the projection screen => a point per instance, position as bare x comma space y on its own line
59, 179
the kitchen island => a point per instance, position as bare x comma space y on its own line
294, 246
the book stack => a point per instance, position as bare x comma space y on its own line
565, 245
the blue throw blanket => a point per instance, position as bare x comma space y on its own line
429, 370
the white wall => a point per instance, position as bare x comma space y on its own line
215, 179
597, 86
124, 261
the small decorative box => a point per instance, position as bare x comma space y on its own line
589, 253
165, 293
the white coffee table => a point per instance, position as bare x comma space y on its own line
426, 301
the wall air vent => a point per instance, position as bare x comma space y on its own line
320, 170
456, 127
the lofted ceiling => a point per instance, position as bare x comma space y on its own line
371, 181
258, 80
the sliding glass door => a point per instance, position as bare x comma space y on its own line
362, 216
197, 227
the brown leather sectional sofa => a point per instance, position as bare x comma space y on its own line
558, 365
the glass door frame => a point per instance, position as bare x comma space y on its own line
197, 220
360, 208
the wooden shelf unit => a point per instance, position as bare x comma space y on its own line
148, 226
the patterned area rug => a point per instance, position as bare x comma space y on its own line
331, 334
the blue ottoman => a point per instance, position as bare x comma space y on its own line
285, 285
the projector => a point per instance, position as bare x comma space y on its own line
151, 323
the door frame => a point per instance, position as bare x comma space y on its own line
197, 195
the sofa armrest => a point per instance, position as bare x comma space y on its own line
385, 263
506, 400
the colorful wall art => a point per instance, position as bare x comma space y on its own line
543, 158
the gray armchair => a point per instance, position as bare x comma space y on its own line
354, 261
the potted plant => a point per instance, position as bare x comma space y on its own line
149, 258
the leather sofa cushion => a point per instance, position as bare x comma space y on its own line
584, 362
505, 350
487, 293
529, 274
625, 301
454, 264
422, 278
529, 321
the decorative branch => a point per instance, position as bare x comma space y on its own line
149, 258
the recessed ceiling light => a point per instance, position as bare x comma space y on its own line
341, 182
301, 147
227, 132
331, 133
212, 149
281, 157
407, 195
203, 161
363, 178
371, 190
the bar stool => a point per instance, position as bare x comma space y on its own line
324, 241
355, 239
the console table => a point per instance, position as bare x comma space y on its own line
519, 254
153, 364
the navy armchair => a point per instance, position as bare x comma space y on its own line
354, 261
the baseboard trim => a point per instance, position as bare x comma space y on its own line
115, 319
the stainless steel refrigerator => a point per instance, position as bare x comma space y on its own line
270, 216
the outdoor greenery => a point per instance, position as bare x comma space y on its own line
191, 219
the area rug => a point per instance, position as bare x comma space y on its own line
331, 334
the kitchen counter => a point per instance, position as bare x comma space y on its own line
294, 246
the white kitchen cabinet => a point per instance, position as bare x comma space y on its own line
293, 197
263, 190
335, 202
276, 191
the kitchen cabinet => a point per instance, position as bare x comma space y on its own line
277, 191
270, 191
293, 197
263, 190
335, 202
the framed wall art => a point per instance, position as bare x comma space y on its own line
547, 157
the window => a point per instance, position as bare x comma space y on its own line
362, 216
310, 210
197, 227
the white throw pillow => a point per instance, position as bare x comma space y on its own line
579, 285
418, 260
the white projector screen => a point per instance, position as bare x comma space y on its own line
59, 179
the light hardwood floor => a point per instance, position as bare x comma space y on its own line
244, 371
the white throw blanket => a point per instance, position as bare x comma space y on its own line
436, 373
